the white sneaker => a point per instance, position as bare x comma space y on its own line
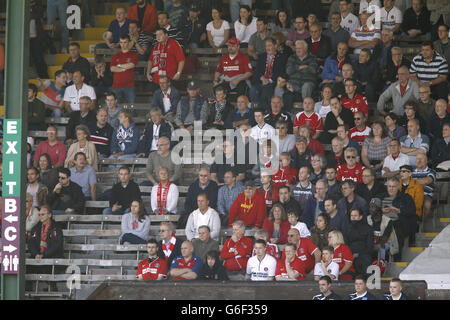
64, 50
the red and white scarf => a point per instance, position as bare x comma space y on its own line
162, 197
269, 67
168, 251
44, 234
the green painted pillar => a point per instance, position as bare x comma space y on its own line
16, 107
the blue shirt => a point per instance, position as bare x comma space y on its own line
117, 30
84, 178
237, 116
227, 197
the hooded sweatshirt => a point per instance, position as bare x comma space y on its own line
125, 139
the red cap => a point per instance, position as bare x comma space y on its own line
234, 42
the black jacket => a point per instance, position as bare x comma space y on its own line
391, 70
407, 216
105, 81
291, 206
75, 119
279, 66
212, 113
440, 152
81, 64
300, 160
217, 272
124, 196
55, 241
70, 197
359, 236
194, 190
412, 21
377, 191
367, 72
99, 136
176, 252
435, 126
325, 48
145, 141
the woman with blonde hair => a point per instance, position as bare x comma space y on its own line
343, 256
277, 225
31, 213
82, 145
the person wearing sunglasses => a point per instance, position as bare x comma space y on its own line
67, 196
410, 186
169, 247
360, 131
352, 169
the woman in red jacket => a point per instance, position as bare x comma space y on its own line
343, 256
276, 225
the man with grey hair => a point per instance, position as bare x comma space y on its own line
302, 69
83, 116
352, 169
315, 205
237, 250
203, 244
415, 142
157, 127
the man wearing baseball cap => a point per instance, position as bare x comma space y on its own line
234, 69
195, 27
192, 107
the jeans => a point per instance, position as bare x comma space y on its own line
57, 113
281, 4
125, 156
132, 239
37, 55
256, 91
307, 89
125, 95
59, 6
118, 212
100, 91
235, 6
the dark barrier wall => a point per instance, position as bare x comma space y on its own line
235, 290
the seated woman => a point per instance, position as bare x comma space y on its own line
218, 30
395, 131
31, 213
319, 233
47, 174
164, 197
318, 164
343, 256
282, 23
324, 106
212, 268
294, 221
135, 225
219, 109
125, 138
245, 26
375, 146
82, 145
276, 225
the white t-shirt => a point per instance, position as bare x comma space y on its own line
391, 18
218, 35
303, 229
322, 110
262, 133
243, 33
364, 5
261, 270
350, 23
73, 95
332, 268
395, 165
287, 144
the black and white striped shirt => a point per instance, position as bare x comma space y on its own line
429, 71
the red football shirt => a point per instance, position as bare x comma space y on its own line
357, 103
359, 135
165, 58
151, 270
271, 249
297, 265
305, 252
240, 64
124, 79
314, 121
284, 176
355, 174
341, 255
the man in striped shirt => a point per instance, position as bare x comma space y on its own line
364, 37
427, 178
430, 69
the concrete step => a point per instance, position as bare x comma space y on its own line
97, 34
424, 239
393, 269
103, 21
408, 254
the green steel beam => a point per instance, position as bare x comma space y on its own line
16, 107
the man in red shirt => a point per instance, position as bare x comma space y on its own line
53, 147
249, 206
145, 14
167, 58
237, 250
234, 69
351, 169
314, 145
308, 117
307, 251
352, 100
291, 268
187, 266
153, 268
360, 131
122, 66
285, 174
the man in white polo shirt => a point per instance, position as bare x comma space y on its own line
262, 131
262, 266
74, 92
393, 162
391, 17
349, 21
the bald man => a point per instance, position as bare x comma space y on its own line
187, 266
243, 114
437, 119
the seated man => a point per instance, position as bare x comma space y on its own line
334, 187
335, 32
178, 14
241, 115
262, 266
302, 70
360, 131
78, 89
113, 109
234, 69
172, 31
123, 193
261, 131
382, 51
368, 75
395, 159
166, 98
67, 196
308, 117
249, 206
53, 93
101, 76
390, 16
195, 28
437, 120
415, 142
426, 103
219, 108
145, 14
410, 186
358, 235
101, 134
203, 184
204, 243
278, 89
84, 176
36, 110
337, 116
303, 190
152, 268
276, 113
236, 250
319, 43
157, 127
292, 268
364, 37
400, 92
307, 251
325, 290
191, 108
315, 205
289, 203
53, 147
395, 291
351, 200
227, 194
140, 41
416, 20
164, 196
75, 62
229, 161
441, 45
286, 142
169, 247
370, 188
332, 70
397, 60
162, 158
83, 116
125, 138
430, 69
349, 22
338, 219
411, 112
326, 267
343, 134
187, 266
361, 292
352, 169
314, 145
336, 157
300, 33
427, 178
202, 216
353, 100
